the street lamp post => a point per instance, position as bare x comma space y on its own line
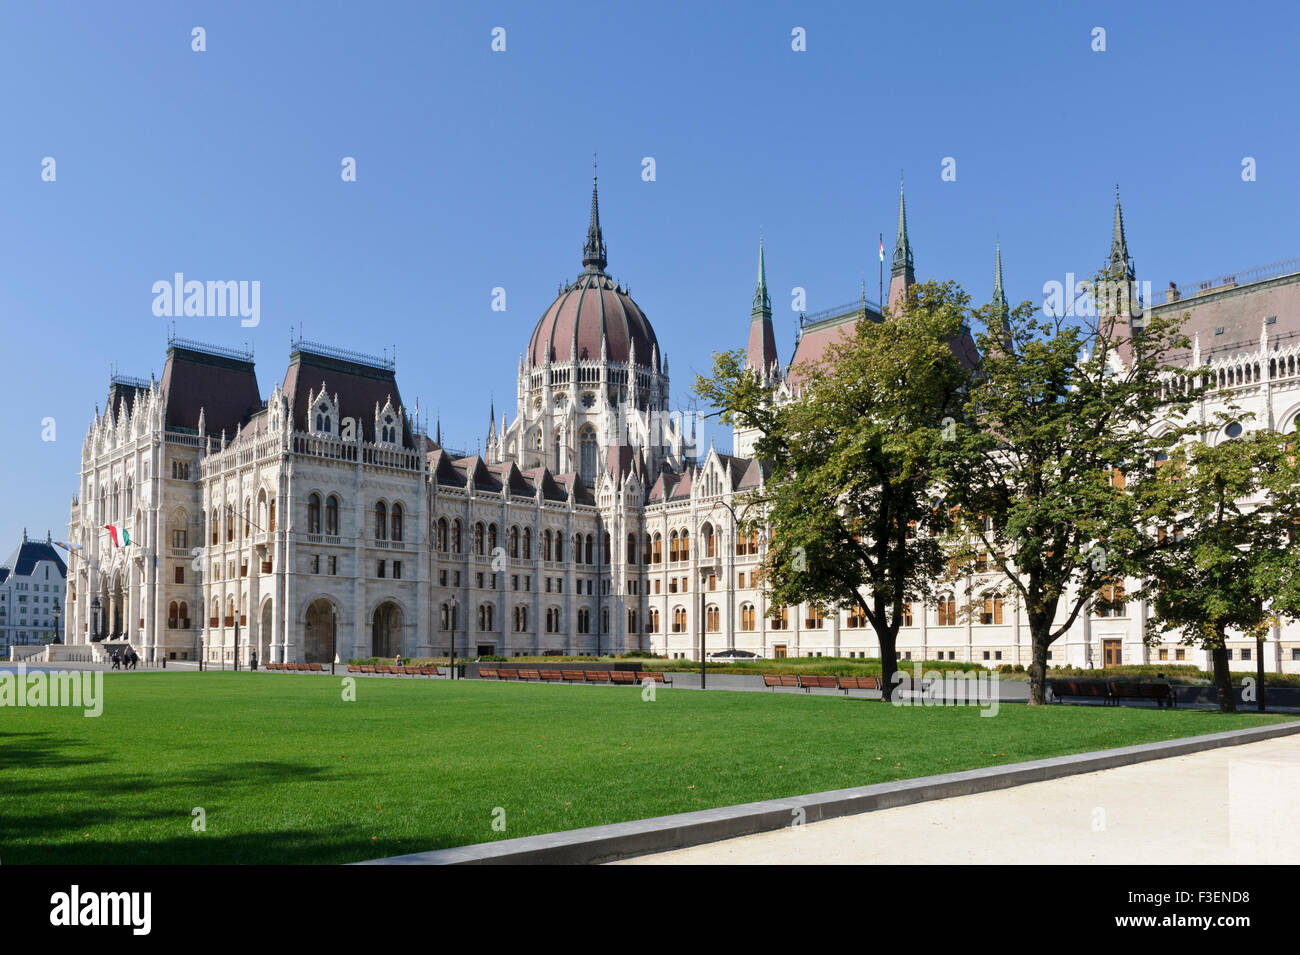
58, 615
96, 608
334, 638
451, 655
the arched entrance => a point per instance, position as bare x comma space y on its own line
264, 633
386, 630
117, 601
319, 639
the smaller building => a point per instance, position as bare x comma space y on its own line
32, 584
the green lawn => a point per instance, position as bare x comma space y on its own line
287, 772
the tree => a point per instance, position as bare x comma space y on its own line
852, 462
1061, 418
1231, 511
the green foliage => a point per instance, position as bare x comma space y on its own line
852, 461
1059, 411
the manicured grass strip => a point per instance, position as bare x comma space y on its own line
287, 772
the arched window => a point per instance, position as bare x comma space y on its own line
577, 548
478, 538
685, 549
395, 523
546, 544
514, 540
746, 616
631, 548
711, 618
679, 620
992, 609
485, 617
657, 552
313, 513
248, 517
521, 619
455, 536
672, 547
815, 619
185, 615
444, 617
604, 554
588, 455
271, 525
332, 515
230, 523
492, 538
652, 624
441, 534
707, 533
528, 543
947, 610
589, 542
173, 615
559, 547
381, 521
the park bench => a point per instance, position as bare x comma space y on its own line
819, 682
508, 674
656, 677
552, 674
530, 675
573, 675
1162, 693
314, 667
780, 679
367, 668
859, 683
412, 671
429, 671
598, 676
353, 668
626, 677
1083, 689
488, 673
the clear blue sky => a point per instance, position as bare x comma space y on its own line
474, 171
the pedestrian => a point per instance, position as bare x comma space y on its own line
117, 660
398, 661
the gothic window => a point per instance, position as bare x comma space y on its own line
442, 534
559, 546
711, 618
381, 521
577, 548
652, 624
746, 616
588, 399
528, 543
631, 548
546, 545
514, 541
455, 536
947, 611
395, 523
679, 620
313, 513
485, 617
332, 515
588, 455
492, 538
588, 544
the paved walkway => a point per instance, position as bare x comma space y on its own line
1225, 806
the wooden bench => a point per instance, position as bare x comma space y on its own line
571, 676
625, 677
488, 673
859, 683
780, 679
367, 668
1162, 693
508, 674
657, 677
597, 676
430, 671
819, 682
353, 668
552, 674
315, 667
1082, 689
530, 675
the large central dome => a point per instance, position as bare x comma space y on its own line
592, 310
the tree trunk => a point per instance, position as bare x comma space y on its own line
1223, 678
888, 665
1041, 639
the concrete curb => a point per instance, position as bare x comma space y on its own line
661, 833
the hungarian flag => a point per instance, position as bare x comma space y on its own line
882, 248
121, 537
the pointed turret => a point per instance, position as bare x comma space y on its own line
901, 273
593, 253
760, 355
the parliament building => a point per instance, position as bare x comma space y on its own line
321, 522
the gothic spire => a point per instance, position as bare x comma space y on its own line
1119, 261
902, 247
999, 296
762, 303
593, 253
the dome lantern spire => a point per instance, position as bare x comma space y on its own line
593, 253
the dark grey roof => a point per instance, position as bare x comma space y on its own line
28, 554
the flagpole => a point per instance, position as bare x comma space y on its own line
880, 303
